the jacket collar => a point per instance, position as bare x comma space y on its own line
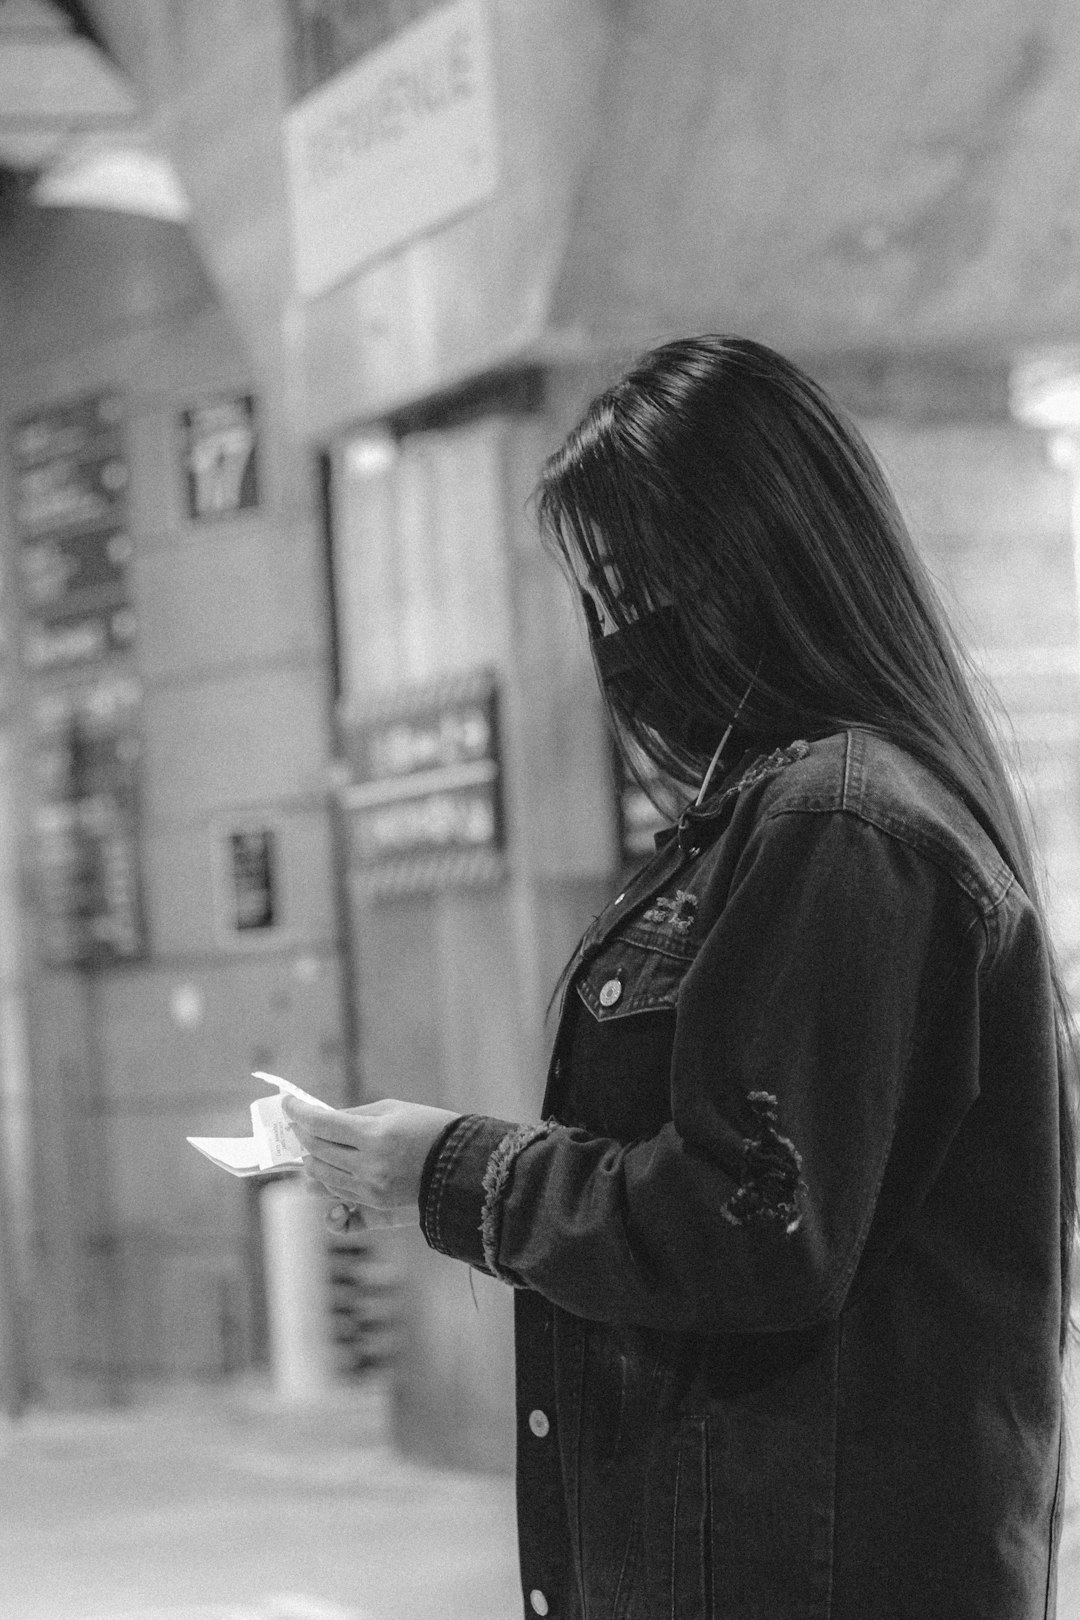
699, 824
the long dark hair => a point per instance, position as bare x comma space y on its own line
717, 478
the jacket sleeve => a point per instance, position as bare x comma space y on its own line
834, 997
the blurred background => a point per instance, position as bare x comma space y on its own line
301, 764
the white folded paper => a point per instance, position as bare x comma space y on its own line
273, 1146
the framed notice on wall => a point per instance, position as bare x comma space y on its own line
249, 901
424, 804
221, 463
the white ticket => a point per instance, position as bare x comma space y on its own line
272, 1146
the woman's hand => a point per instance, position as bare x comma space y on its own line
371, 1156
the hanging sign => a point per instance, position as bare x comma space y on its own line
220, 456
398, 143
424, 802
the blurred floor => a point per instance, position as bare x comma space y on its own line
220, 1506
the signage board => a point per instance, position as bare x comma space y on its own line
87, 821
326, 36
78, 628
70, 474
424, 801
70, 481
402, 141
220, 456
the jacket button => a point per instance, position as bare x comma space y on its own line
610, 992
538, 1423
538, 1602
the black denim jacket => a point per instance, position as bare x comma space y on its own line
786, 1240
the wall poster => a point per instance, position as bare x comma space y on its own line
425, 802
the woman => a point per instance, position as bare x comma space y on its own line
791, 1242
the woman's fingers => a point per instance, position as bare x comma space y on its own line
326, 1124
331, 1153
375, 1152
400, 1215
333, 1180
345, 1172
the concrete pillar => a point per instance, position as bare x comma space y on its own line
439, 571
994, 517
297, 1302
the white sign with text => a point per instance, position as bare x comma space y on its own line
400, 142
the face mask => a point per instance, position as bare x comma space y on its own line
623, 660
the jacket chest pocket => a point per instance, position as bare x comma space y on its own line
620, 1058
635, 973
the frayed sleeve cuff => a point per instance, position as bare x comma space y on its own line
465, 1179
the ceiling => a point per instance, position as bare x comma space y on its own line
56, 83
71, 134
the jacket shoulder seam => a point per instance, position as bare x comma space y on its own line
984, 897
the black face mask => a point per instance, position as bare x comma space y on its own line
623, 659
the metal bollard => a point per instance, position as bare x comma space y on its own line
294, 1250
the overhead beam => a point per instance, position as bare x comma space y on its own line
82, 23
65, 79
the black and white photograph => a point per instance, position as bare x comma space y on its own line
539, 809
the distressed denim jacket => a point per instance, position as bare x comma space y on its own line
785, 1241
